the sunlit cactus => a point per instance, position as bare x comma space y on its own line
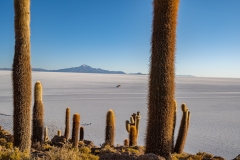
59, 133
126, 142
38, 114
110, 128
22, 77
75, 129
127, 123
45, 134
183, 130
133, 136
159, 135
67, 124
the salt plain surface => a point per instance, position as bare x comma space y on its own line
214, 104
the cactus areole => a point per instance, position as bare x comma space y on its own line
162, 79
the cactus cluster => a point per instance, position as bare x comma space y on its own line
132, 128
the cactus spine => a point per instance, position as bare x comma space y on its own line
133, 136
161, 79
183, 129
38, 114
81, 133
110, 128
21, 77
67, 124
45, 134
75, 129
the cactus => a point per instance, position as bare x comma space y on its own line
128, 126
75, 129
183, 129
21, 77
67, 124
59, 133
126, 142
45, 134
174, 123
81, 133
38, 114
162, 78
133, 136
110, 128
134, 121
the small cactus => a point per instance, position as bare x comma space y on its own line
67, 124
38, 114
174, 123
126, 142
75, 129
182, 134
81, 133
45, 134
133, 136
59, 133
110, 128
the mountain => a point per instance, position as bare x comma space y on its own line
87, 69
81, 69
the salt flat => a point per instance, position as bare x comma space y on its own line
214, 104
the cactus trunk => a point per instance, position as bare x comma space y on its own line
110, 128
67, 124
38, 114
81, 133
161, 80
183, 130
75, 129
21, 76
133, 136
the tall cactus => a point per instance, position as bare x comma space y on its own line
75, 129
38, 114
183, 130
110, 128
67, 124
161, 80
21, 77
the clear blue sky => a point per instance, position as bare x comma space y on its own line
115, 35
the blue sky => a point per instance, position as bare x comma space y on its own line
116, 35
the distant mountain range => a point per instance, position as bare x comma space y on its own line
81, 69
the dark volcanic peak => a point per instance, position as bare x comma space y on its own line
87, 69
